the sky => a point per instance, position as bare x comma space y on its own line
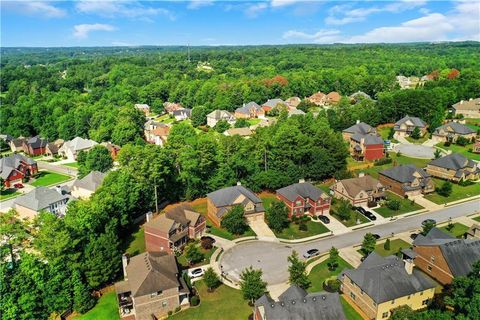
210, 22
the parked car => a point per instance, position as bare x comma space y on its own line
18, 185
427, 221
361, 210
311, 253
376, 236
370, 215
324, 219
208, 238
195, 273
413, 236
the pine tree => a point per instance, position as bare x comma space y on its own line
211, 279
82, 298
297, 270
332, 261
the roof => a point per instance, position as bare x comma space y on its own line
239, 131
37, 142
385, 278
13, 162
142, 106
273, 102
40, 198
220, 115
186, 111
227, 197
404, 173
247, 107
303, 189
417, 122
295, 303
355, 185
368, 139
182, 214
460, 254
361, 128
333, 96
293, 101
359, 95
295, 112
453, 161
91, 181
78, 144
53, 147
472, 104
18, 142
6, 137
152, 272
456, 127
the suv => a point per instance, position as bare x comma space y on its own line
324, 219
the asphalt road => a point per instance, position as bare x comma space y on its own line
271, 257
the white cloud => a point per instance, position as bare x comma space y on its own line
130, 9
282, 3
35, 8
195, 4
255, 9
81, 31
322, 36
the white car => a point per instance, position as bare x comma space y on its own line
195, 273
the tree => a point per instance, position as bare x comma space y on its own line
221, 126
252, 285
96, 159
277, 216
368, 244
427, 226
437, 154
234, 221
464, 296
332, 261
402, 313
211, 279
2, 182
344, 210
386, 245
393, 205
82, 298
241, 123
199, 116
193, 254
446, 189
13, 231
297, 270
416, 134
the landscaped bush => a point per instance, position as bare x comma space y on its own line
303, 227
445, 190
462, 141
381, 162
177, 309
447, 143
170, 313
465, 183
207, 243
332, 285
314, 217
194, 301
393, 205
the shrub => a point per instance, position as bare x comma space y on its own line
314, 217
381, 162
465, 183
207, 243
447, 144
386, 245
303, 227
393, 205
170, 313
462, 141
194, 301
177, 309
445, 190
332, 285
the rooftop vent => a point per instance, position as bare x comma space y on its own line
293, 301
272, 305
282, 304
324, 297
314, 298
304, 300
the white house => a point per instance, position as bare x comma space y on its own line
217, 115
70, 149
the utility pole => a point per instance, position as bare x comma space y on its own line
156, 195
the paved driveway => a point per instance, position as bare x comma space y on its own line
272, 257
416, 150
261, 229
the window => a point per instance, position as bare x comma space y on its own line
385, 315
164, 303
432, 258
352, 295
429, 268
424, 302
298, 203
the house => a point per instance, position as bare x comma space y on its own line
182, 114
404, 82
152, 286
467, 109
454, 167
273, 103
304, 198
242, 132
473, 231
293, 102
295, 112
406, 180
333, 98
405, 126
15, 167
476, 146
6, 137
112, 148
145, 108
42, 199
361, 191
172, 230
451, 131
364, 142
52, 147
35, 146
221, 201
318, 98
381, 284
296, 303
444, 257
16, 145
359, 96
156, 132
85, 187
70, 149
249, 111
217, 115
170, 107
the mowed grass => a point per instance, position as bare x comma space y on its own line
354, 215
137, 243
293, 231
223, 303
320, 273
405, 206
8, 194
419, 140
465, 151
350, 312
396, 160
47, 178
458, 192
457, 231
182, 259
395, 246
477, 219
71, 164
106, 308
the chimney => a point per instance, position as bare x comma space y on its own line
125, 260
239, 183
58, 189
301, 181
409, 264
149, 215
361, 174
461, 102
358, 121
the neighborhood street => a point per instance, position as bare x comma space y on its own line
271, 257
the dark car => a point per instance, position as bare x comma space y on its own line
427, 221
370, 216
311, 253
376, 236
324, 219
361, 210
208, 238
18, 185
414, 236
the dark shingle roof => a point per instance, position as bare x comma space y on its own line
454, 161
404, 173
457, 128
37, 142
226, 196
304, 190
11, 163
361, 128
368, 139
40, 198
247, 107
417, 122
273, 102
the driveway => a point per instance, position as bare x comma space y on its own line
415, 150
261, 229
57, 168
271, 257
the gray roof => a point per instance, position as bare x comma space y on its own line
296, 304
40, 198
417, 122
304, 190
472, 104
460, 254
273, 102
91, 181
247, 107
404, 173
454, 161
186, 111
361, 128
295, 112
226, 196
457, 128
385, 278
368, 139
13, 162
6, 137
357, 96
182, 214
366, 183
220, 115
37, 142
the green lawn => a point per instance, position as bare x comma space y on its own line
354, 215
373, 171
220, 304
267, 199
350, 312
220, 232
47, 178
395, 246
106, 308
255, 121
419, 140
458, 192
405, 206
293, 231
320, 273
137, 244
462, 150
473, 123
8, 194
457, 231
477, 219
182, 260
71, 164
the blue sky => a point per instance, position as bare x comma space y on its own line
207, 22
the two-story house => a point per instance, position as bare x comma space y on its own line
273, 103
172, 230
145, 108
249, 111
217, 115
451, 131
361, 191
405, 126
318, 98
221, 201
86, 186
304, 198
35, 146
156, 132
454, 167
182, 114
70, 149
467, 109
42, 199
381, 284
152, 287
364, 142
406, 180
15, 167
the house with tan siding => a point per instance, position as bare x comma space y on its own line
406, 180
361, 191
467, 108
454, 167
451, 131
405, 126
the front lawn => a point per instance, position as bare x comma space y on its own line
419, 140
477, 218
395, 246
458, 192
182, 259
354, 215
106, 308
293, 232
223, 233
320, 273
47, 178
405, 206
8, 194
220, 304
253, 122
465, 151
71, 164
457, 231
137, 243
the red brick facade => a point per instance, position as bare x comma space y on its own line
431, 261
297, 207
374, 152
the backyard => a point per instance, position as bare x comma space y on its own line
396, 160
137, 242
395, 246
47, 178
458, 229
293, 231
405, 206
8, 194
458, 192
106, 308
465, 151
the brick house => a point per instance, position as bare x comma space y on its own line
221, 201
364, 142
468, 109
249, 111
170, 107
273, 103
173, 229
364, 190
444, 257
112, 148
406, 180
405, 126
152, 287
451, 131
35, 146
16, 167
454, 167
381, 284
304, 198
